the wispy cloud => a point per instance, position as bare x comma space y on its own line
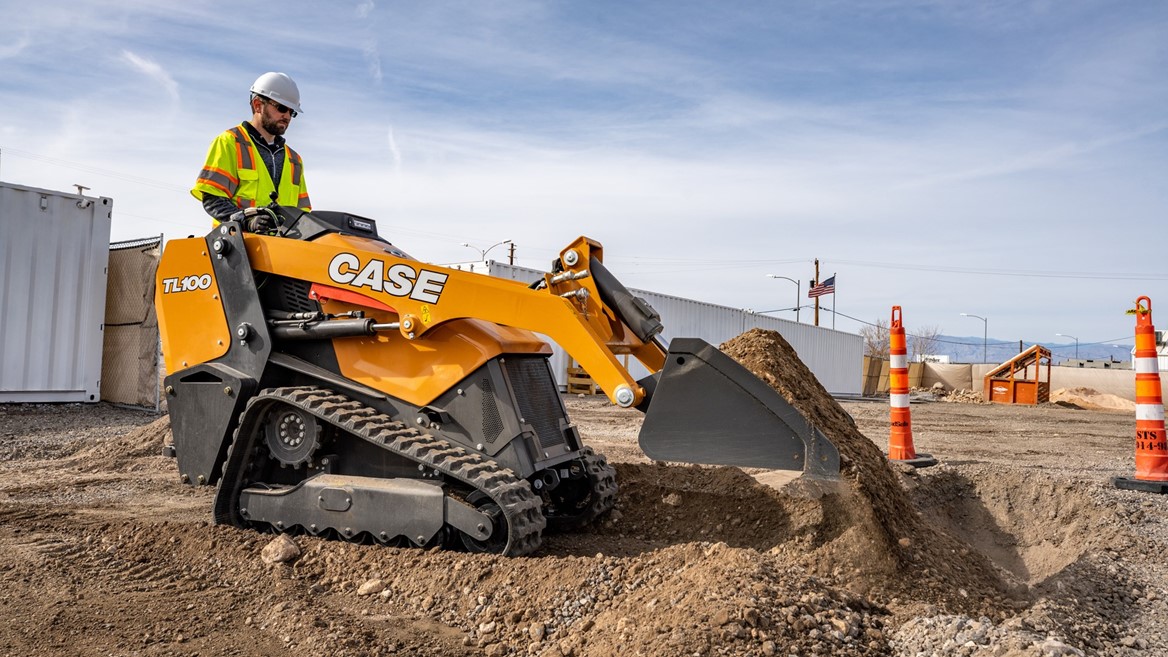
154, 71
372, 60
393, 149
12, 49
1060, 155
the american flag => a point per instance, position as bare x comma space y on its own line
826, 287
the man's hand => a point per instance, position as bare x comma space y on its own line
254, 220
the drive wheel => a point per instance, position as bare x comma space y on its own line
577, 501
497, 541
292, 436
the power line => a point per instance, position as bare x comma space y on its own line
1024, 273
149, 182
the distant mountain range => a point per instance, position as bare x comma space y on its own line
961, 349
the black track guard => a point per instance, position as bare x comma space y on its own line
707, 408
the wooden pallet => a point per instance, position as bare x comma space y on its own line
579, 383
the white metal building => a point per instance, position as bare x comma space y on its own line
1161, 350
833, 356
54, 249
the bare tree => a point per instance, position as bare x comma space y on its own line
875, 339
923, 340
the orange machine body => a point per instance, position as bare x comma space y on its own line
190, 311
450, 322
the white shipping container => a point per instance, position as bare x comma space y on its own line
54, 249
834, 357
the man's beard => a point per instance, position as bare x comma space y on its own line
272, 126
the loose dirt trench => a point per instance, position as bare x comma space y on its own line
1015, 545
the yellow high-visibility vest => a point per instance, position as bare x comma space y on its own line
234, 170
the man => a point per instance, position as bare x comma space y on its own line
249, 162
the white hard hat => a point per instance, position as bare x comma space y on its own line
278, 87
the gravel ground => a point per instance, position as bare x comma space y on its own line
1016, 544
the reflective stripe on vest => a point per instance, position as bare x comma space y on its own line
219, 179
242, 149
297, 169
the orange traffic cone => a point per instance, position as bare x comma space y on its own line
1151, 445
900, 442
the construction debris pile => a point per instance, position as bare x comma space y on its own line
957, 396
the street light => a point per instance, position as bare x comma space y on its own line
484, 252
984, 335
797, 297
1064, 335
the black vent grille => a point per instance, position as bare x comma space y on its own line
492, 423
538, 398
294, 296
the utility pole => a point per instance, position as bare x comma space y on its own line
813, 284
511, 255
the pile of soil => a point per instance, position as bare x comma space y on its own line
880, 539
1091, 399
116, 452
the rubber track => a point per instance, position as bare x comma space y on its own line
602, 478
521, 508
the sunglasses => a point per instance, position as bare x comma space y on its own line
283, 109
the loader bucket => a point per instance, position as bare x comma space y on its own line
706, 408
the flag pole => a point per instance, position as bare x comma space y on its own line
816, 298
833, 300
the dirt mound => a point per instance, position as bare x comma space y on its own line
52, 431
878, 538
120, 451
1091, 399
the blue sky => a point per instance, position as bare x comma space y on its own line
1004, 159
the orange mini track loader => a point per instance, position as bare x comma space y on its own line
328, 383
